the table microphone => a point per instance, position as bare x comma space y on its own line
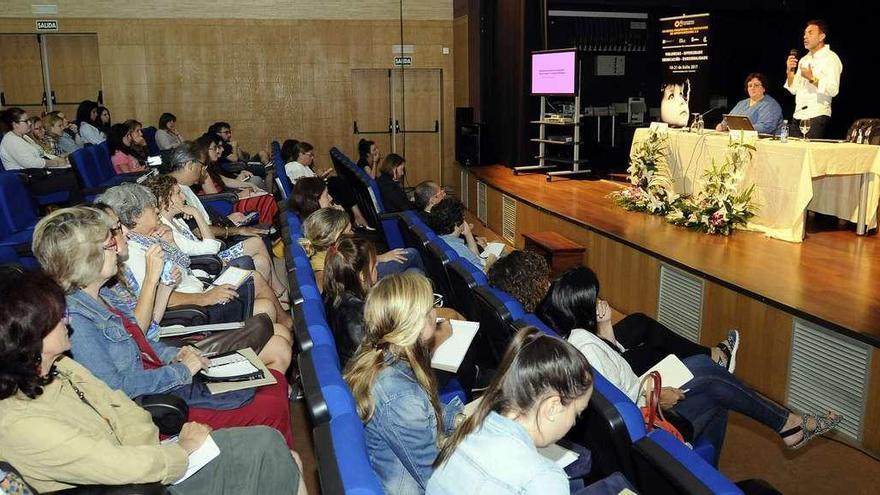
794, 54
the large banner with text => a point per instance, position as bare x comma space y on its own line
684, 48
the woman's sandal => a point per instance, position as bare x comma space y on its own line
824, 424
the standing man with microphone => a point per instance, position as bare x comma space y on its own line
814, 80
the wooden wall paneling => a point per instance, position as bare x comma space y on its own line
270, 78
371, 103
871, 432
460, 60
219, 10
493, 209
629, 279
765, 349
417, 95
21, 74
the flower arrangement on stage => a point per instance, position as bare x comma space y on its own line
720, 206
651, 184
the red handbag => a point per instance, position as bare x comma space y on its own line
651, 412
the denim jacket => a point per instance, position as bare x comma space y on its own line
402, 434
498, 458
100, 342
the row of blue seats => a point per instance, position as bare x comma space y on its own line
622, 444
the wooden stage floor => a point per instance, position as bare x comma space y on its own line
831, 278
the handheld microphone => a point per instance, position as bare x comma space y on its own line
793, 53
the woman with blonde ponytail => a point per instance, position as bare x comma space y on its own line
541, 386
320, 231
394, 387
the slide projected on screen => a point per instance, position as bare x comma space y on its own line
553, 73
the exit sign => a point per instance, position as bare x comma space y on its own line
401, 61
47, 25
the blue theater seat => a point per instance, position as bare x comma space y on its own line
497, 312
668, 466
464, 277
150, 138
18, 217
343, 462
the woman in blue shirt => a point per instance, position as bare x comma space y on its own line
761, 109
392, 382
542, 385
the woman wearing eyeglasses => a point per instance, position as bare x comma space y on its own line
46, 175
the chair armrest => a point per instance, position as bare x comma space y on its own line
186, 315
209, 262
225, 196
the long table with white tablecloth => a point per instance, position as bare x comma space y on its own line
789, 178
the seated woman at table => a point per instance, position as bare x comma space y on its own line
62, 427
78, 249
761, 109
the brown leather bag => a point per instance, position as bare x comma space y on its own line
257, 330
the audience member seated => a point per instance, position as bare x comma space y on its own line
570, 308
540, 389
62, 427
167, 134
135, 206
78, 249
61, 134
45, 175
427, 194
233, 158
148, 303
349, 272
309, 195
299, 158
173, 211
245, 185
525, 275
88, 124
324, 227
391, 176
446, 219
104, 122
126, 147
188, 169
393, 384
37, 138
368, 157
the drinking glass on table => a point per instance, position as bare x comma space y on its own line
804, 125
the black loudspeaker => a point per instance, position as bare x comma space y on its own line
469, 144
464, 115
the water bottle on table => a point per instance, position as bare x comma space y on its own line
783, 132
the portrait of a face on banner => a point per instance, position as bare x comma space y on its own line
684, 48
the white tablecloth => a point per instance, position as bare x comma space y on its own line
789, 177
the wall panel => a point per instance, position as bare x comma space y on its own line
270, 78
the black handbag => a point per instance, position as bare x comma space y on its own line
169, 412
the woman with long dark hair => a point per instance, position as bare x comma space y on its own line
368, 157
250, 196
126, 147
570, 309
88, 124
540, 388
349, 272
